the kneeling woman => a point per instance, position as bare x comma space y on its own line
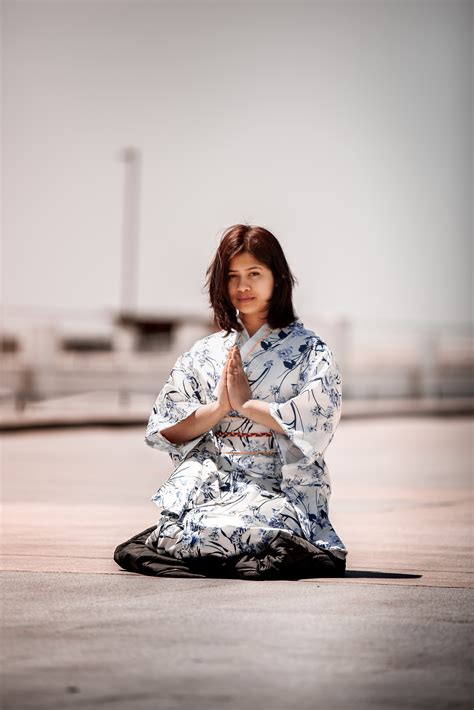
246, 415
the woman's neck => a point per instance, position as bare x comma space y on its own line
253, 323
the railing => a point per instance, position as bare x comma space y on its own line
378, 359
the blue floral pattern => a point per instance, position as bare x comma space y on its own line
229, 492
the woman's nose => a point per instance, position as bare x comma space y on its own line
242, 286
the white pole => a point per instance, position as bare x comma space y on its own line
130, 231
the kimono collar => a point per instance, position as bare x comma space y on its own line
265, 337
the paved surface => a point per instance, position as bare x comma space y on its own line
395, 632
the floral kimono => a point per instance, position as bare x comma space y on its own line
238, 483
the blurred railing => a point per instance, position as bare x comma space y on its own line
378, 360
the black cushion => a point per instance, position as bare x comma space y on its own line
285, 557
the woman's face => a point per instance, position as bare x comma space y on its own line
250, 284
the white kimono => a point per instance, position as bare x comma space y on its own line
238, 483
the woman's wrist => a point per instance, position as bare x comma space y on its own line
219, 409
259, 412
245, 408
253, 409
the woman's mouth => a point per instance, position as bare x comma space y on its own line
245, 298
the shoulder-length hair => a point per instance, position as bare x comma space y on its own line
265, 247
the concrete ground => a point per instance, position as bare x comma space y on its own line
394, 633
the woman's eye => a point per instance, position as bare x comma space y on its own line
252, 273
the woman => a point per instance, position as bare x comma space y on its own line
246, 415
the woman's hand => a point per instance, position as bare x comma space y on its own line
238, 388
223, 401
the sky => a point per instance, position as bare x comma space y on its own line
343, 127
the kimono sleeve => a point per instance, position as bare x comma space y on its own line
181, 395
310, 418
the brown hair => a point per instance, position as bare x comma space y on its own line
265, 247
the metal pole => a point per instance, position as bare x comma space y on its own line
130, 231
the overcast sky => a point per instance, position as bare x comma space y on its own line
343, 127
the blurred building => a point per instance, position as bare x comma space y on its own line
49, 355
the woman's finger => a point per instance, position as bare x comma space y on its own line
237, 357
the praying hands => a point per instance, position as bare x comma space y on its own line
234, 392
233, 389
238, 388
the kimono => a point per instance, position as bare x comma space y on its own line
237, 484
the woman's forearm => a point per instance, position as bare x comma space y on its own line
259, 412
199, 422
207, 416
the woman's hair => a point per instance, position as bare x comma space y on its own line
265, 248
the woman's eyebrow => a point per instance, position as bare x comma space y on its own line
246, 269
